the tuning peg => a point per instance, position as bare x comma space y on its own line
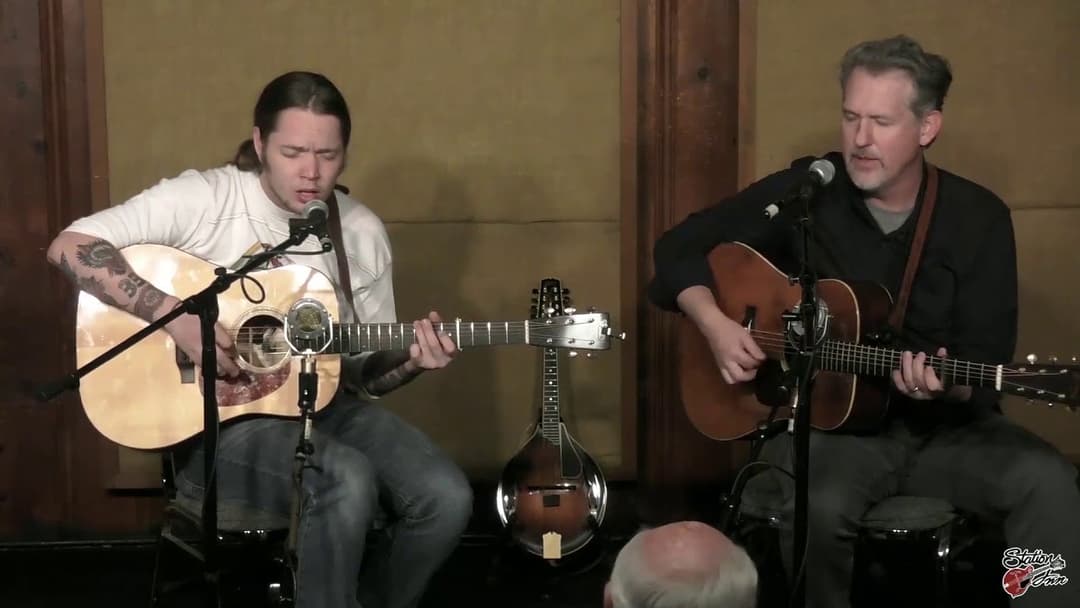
1053, 358
536, 291
592, 309
573, 353
566, 290
1032, 359
621, 335
549, 310
570, 310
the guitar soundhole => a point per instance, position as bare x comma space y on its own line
260, 342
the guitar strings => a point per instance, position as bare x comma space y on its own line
861, 355
394, 332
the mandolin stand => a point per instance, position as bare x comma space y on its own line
205, 305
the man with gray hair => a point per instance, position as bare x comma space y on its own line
682, 565
944, 434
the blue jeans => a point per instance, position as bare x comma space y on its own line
365, 457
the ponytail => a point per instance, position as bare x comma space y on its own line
246, 158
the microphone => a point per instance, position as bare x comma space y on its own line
313, 221
316, 212
820, 173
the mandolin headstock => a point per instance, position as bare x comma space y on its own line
557, 324
550, 300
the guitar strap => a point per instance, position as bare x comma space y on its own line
334, 224
896, 316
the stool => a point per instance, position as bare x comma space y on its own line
250, 553
250, 548
909, 551
253, 570
917, 550
903, 552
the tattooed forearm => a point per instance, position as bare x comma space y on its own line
149, 300
94, 268
386, 371
101, 254
131, 284
94, 286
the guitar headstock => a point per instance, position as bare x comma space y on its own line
557, 324
1052, 382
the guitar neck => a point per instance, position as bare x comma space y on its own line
364, 337
865, 360
550, 417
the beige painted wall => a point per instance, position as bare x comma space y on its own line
1010, 123
485, 136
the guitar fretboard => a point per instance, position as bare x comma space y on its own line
363, 337
852, 358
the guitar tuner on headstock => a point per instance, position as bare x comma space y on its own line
609, 331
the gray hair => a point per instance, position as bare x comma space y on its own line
635, 585
930, 72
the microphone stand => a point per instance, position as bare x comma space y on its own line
309, 386
205, 305
804, 365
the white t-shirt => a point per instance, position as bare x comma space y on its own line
222, 214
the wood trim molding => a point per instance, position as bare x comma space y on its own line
679, 154
629, 226
748, 13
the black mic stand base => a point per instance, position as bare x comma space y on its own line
732, 502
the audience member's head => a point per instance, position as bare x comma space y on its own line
682, 565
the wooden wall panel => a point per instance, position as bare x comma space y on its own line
686, 158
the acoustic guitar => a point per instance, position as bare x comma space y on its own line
150, 396
851, 382
552, 495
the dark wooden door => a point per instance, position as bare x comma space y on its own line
55, 470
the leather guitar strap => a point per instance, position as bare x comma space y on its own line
896, 316
334, 224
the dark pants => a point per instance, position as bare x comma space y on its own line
988, 466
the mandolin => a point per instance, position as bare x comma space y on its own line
552, 496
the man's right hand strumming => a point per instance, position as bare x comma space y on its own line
737, 354
186, 332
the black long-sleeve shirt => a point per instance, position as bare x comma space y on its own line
964, 296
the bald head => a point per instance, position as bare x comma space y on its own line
683, 564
